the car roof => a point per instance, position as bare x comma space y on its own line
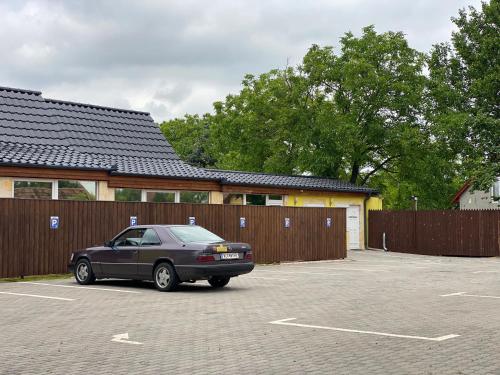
162, 226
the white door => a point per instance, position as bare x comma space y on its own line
352, 213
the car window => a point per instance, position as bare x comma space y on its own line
192, 233
131, 237
150, 238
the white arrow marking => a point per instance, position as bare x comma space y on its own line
123, 337
285, 322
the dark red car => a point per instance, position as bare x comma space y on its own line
165, 254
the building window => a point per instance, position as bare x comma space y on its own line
160, 196
33, 189
233, 198
128, 195
194, 197
274, 200
255, 200
76, 190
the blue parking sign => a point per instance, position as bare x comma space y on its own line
243, 222
133, 221
287, 222
328, 222
54, 222
192, 220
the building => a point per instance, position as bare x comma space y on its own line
468, 199
53, 149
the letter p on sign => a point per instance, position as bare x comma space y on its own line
54, 222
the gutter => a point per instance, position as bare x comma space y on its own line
365, 218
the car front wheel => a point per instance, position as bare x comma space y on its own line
218, 282
165, 277
83, 272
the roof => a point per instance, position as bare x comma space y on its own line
287, 181
460, 192
40, 132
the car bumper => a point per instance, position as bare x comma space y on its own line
197, 272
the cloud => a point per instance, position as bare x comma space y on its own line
178, 56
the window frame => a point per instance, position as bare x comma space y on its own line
122, 188
274, 202
160, 242
196, 192
269, 202
54, 190
57, 189
144, 194
125, 232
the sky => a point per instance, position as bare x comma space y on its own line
170, 57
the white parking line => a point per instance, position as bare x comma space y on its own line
338, 269
82, 287
300, 272
453, 294
37, 296
265, 278
285, 322
464, 294
486, 271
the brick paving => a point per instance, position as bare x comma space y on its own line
198, 330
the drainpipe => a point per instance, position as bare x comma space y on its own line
365, 218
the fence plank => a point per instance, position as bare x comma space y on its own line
29, 247
446, 232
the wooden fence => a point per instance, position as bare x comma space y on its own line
447, 232
29, 247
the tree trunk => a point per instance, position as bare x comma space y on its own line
354, 172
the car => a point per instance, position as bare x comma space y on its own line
165, 254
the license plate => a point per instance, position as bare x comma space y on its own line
230, 256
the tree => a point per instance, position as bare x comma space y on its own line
464, 93
190, 138
369, 113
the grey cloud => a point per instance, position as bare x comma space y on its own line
177, 57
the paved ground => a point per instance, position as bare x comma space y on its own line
373, 313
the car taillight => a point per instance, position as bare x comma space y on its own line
248, 255
205, 258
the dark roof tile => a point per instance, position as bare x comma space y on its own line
52, 133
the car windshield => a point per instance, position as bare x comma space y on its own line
194, 234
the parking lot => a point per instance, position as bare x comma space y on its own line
373, 313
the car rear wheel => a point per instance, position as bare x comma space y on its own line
165, 277
218, 282
83, 272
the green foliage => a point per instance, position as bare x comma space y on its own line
464, 93
375, 112
190, 139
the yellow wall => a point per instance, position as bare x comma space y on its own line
374, 203
338, 200
105, 193
5, 187
216, 197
